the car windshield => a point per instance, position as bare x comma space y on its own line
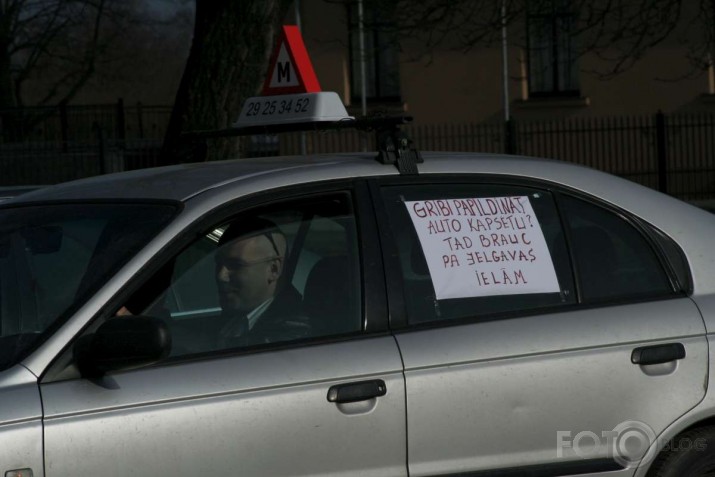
53, 257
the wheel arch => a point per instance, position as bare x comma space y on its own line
669, 435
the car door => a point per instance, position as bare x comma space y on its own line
543, 333
330, 402
20, 423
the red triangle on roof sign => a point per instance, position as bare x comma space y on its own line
290, 68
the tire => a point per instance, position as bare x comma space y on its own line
691, 454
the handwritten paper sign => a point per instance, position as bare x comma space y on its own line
483, 247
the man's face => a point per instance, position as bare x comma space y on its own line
247, 271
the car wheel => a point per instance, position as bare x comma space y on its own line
691, 454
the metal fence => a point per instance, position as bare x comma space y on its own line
55, 144
672, 153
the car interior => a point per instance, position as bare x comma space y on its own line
321, 264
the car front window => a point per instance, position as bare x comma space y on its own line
53, 257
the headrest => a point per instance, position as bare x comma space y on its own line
248, 226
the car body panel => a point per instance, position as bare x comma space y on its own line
706, 304
703, 412
20, 422
257, 414
527, 378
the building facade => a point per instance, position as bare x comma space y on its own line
547, 79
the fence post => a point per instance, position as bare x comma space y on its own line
510, 136
64, 125
140, 120
121, 122
101, 150
661, 151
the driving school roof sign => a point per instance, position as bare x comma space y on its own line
291, 93
290, 68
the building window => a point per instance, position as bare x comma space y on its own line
382, 70
553, 59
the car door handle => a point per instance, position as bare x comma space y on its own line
658, 354
360, 391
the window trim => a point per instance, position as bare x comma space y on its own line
672, 253
394, 279
394, 276
373, 301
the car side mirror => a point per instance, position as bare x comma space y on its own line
122, 343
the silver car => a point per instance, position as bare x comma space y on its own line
486, 316
8, 192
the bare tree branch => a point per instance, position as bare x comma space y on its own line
618, 32
62, 39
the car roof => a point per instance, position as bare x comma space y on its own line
182, 182
8, 192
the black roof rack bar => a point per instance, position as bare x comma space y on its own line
394, 147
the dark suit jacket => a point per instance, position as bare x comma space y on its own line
283, 320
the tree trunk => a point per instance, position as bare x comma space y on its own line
10, 117
232, 43
7, 87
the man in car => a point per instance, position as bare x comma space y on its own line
257, 306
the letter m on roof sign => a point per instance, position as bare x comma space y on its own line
284, 68
290, 68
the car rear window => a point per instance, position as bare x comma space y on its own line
478, 251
